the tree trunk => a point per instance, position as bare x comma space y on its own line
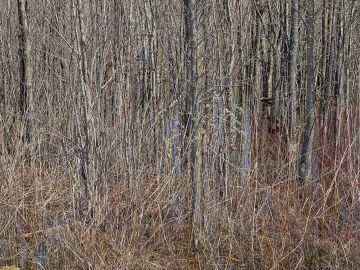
192, 120
292, 67
25, 69
88, 129
305, 166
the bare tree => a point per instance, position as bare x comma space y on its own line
166, 129
292, 68
25, 101
192, 117
306, 158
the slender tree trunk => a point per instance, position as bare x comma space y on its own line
292, 67
192, 120
88, 127
25, 101
24, 105
306, 159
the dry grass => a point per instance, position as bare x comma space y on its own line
271, 223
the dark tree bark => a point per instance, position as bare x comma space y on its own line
25, 68
306, 159
191, 120
292, 66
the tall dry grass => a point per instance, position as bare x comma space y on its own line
271, 222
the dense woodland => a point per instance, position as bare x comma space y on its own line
180, 134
